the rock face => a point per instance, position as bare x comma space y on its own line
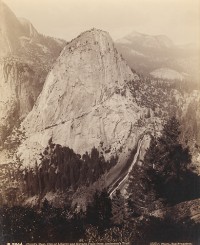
189, 115
18, 91
25, 58
85, 101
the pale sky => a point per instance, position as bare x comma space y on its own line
178, 19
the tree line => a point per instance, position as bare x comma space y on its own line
61, 168
164, 179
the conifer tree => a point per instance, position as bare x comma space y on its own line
99, 212
163, 174
118, 209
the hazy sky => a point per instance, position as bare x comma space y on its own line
178, 19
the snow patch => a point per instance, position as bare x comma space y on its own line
166, 73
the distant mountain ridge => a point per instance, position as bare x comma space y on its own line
18, 35
147, 41
147, 53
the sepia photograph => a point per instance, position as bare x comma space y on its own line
99, 122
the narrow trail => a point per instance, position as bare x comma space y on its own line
129, 170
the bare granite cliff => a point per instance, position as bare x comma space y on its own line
85, 101
26, 57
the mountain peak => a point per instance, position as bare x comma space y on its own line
94, 31
13, 27
10, 30
97, 31
142, 40
135, 34
94, 39
92, 35
29, 29
6, 15
81, 98
19, 37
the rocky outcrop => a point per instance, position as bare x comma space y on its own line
85, 102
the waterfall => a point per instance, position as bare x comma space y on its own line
129, 169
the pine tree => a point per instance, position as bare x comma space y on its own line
162, 175
171, 163
118, 209
99, 212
